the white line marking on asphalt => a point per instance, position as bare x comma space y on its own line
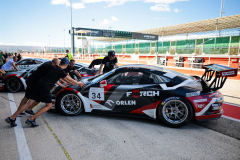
236, 105
23, 149
234, 119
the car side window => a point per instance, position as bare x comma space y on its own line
29, 62
37, 62
23, 63
126, 78
153, 78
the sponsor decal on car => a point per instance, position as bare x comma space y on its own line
201, 106
123, 102
137, 93
215, 106
127, 102
109, 102
168, 99
228, 73
193, 94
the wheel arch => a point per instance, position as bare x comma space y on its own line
189, 102
18, 77
71, 90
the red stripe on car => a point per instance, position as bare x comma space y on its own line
150, 106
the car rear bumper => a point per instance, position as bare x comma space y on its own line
209, 117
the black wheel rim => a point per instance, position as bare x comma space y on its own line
13, 85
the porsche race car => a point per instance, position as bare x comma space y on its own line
172, 98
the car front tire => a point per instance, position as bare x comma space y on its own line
175, 112
70, 104
13, 84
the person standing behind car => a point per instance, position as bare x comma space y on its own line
19, 57
109, 62
1, 57
69, 55
5, 58
72, 68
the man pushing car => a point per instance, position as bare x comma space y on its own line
42, 93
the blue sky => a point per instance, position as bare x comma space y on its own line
30, 22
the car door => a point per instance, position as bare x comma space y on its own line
154, 90
30, 64
122, 92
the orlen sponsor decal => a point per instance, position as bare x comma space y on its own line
136, 93
228, 73
126, 102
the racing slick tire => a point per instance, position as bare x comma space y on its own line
69, 104
175, 112
13, 84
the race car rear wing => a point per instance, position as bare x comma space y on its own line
221, 74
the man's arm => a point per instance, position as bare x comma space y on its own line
3, 58
63, 86
100, 69
14, 66
73, 82
63, 80
116, 65
77, 73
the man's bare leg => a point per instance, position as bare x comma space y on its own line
23, 107
23, 101
41, 111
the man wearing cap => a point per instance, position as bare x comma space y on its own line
69, 55
42, 93
109, 62
72, 68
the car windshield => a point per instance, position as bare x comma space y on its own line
98, 78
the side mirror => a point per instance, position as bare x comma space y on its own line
103, 83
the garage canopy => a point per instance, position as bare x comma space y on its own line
192, 27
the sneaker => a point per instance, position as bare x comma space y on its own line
21, 114
32, 123
29, 112
11, 121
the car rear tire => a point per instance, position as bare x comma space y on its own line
13, 84
70, 104
175, 112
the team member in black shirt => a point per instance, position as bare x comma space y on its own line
33, 79
109, 62
42, 92
72, 68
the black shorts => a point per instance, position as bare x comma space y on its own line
42, 93
29, 89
